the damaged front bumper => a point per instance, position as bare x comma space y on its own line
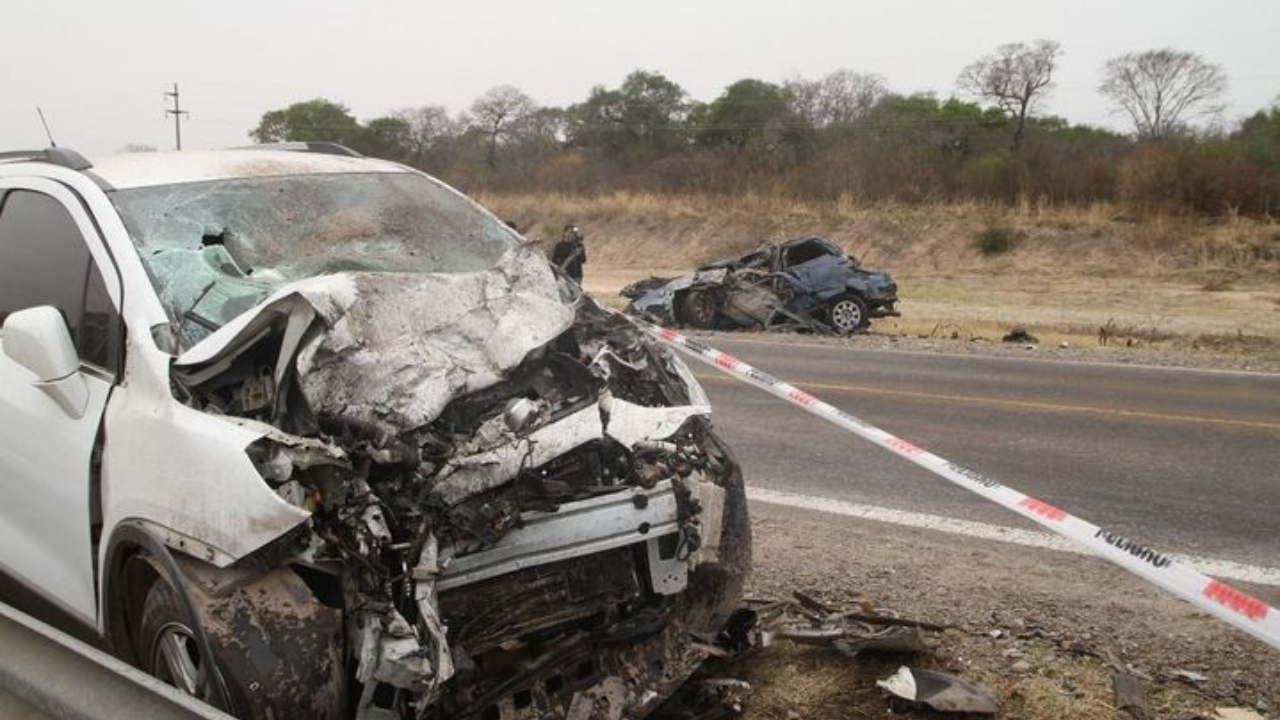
648, 517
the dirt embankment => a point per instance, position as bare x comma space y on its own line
1081, 276
645, 231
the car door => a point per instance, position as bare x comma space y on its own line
46, 503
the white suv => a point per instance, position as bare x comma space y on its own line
312, 435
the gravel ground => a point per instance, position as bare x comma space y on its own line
1045, 631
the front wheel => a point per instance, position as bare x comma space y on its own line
848, 313
169, 647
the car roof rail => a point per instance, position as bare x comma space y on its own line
323, 148
64, 157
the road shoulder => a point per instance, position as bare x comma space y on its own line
1044, 629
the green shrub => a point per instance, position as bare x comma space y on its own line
996, 240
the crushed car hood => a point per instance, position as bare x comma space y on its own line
395, 348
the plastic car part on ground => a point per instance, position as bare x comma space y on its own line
940, 691
806, 285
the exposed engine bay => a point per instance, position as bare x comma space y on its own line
518, 505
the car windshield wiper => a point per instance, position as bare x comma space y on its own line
190, 314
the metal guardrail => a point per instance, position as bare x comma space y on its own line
46, 673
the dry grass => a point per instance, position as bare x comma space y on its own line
1043, 698
640, 230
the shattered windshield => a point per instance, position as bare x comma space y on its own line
216, 249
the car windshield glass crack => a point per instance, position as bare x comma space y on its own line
250, 236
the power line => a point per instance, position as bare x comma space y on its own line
177, 112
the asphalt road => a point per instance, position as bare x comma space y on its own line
1186, 460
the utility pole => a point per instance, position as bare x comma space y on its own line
177, 112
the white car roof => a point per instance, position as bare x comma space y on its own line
134, 170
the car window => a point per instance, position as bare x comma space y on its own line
806, 251
101, 329
44, 261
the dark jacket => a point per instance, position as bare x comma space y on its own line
570, 255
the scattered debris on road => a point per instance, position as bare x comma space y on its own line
707, 699
863, 632
808, 621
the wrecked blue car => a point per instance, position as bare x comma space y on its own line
807, 284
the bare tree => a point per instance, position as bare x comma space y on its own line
839, 98
1015, 78
429, 125
1163, 90
496, 111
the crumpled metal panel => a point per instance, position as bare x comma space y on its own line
398, 346
411, 343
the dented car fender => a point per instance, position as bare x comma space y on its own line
183, 470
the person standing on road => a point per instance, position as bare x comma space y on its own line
570, 253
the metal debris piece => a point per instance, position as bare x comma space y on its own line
1235, 714
1189, 676
808, 601
810, 621
890, 641
940, 691
605, 701
1131, 695
707, 699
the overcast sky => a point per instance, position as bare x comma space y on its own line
98, 68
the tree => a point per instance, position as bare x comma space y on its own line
643, 117
1261, 133
316, 120
1163, 90
922, 120
430, 126
1014, 78
496, 111
533, 139
742, 113
840, 98
385, 137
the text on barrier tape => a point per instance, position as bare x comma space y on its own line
1213, 596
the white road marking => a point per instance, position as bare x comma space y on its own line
1225, 569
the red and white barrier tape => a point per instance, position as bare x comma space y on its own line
1213, 596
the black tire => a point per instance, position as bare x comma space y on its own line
168, 646
848, 314
698, 309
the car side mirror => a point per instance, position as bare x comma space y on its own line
37, 339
